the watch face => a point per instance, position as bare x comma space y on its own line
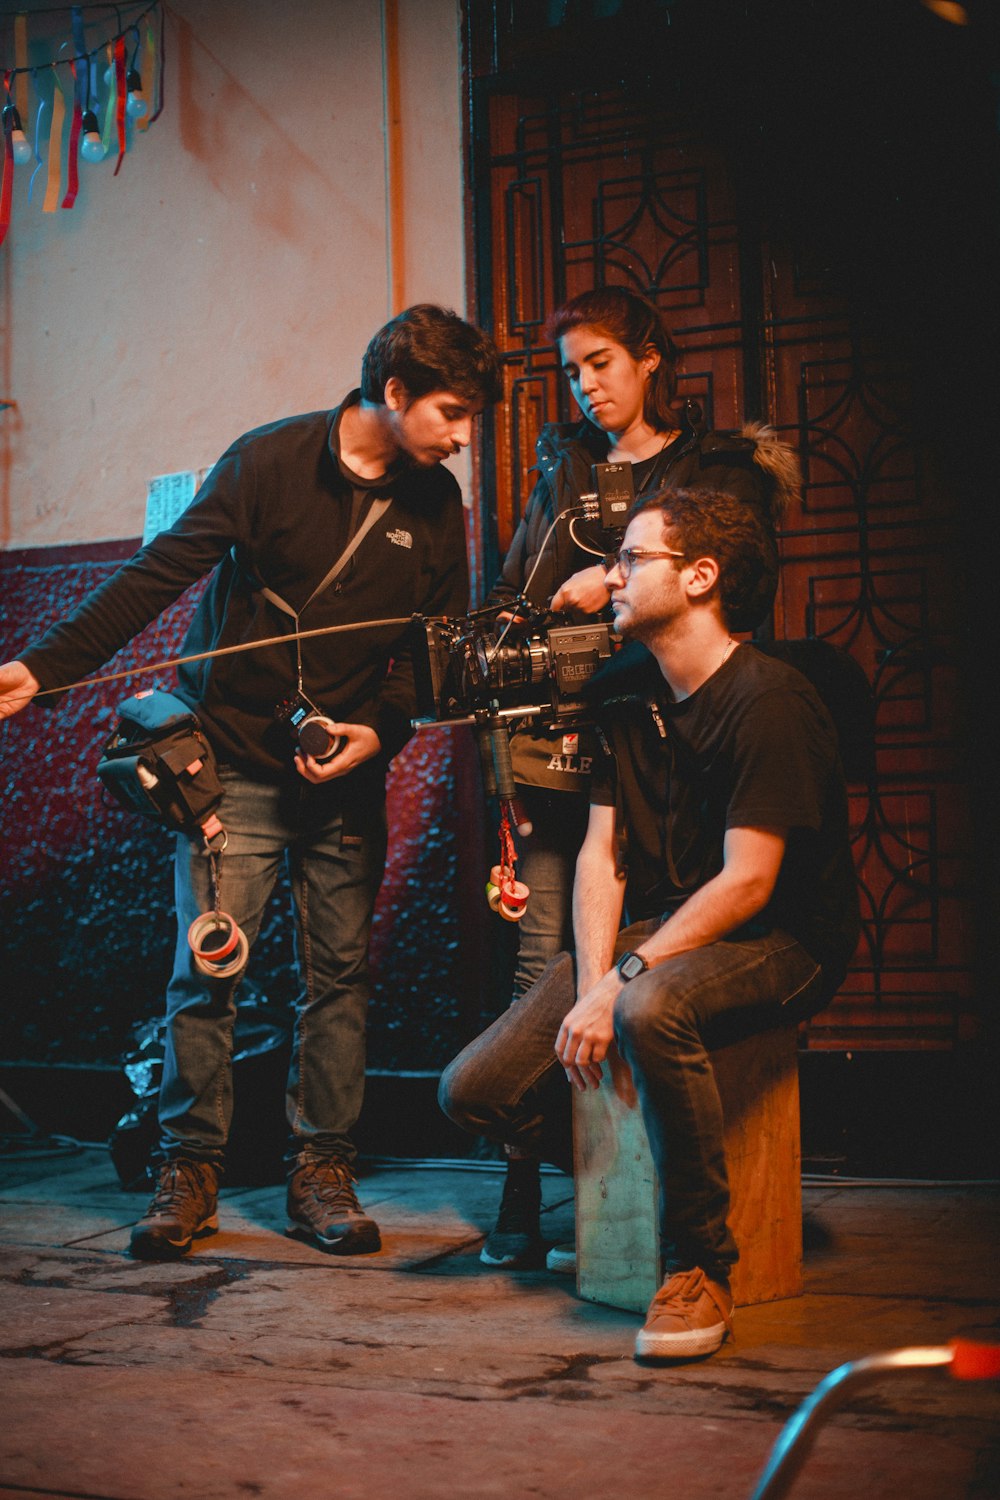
630, 965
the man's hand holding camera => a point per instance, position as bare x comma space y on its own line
585, 593
360, 743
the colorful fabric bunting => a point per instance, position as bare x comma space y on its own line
79, 75
53, 185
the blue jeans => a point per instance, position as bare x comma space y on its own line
547, 864
509, 1086
334, 885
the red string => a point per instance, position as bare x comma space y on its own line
508, 858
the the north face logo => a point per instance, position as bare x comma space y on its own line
400, 538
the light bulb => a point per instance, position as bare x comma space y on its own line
19, 143
136, 103
91, 145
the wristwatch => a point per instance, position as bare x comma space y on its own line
631, 965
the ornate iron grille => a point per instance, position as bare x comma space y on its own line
577, 189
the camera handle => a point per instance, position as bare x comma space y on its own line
493, 739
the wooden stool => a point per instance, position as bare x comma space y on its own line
617, 1241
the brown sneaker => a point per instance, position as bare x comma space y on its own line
323, 1209
689, 1315
184, 1207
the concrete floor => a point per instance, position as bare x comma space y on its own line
258, 1366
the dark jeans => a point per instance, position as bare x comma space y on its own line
546, 862
334, 890
509, 1086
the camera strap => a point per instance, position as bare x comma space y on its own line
376, 510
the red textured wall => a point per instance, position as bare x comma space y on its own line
86, 908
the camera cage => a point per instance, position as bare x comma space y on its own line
464, 665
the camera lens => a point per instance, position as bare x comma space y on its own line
318, 739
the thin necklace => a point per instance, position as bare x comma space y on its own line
730, 648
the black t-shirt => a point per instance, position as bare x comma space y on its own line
754, 747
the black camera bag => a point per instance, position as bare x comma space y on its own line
159, 763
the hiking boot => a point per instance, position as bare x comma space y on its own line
184, 1207
323, 1208
515, 1241
689, 1315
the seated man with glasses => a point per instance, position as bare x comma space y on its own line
718, 823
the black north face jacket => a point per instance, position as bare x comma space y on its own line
275, 511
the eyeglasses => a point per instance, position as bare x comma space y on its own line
625, 559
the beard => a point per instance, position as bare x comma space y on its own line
630, 627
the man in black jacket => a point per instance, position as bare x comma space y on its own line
722, 772
333, 519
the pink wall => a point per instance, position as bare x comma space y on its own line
236, 267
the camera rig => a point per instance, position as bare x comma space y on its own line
468, 672
534, 667
465, 666
537, 660
536, 663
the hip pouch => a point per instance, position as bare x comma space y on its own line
159, 763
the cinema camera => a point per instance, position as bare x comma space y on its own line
490, 674
468, 672
472, 664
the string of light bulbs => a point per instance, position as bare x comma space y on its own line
85, 96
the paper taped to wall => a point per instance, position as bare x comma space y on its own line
167, 496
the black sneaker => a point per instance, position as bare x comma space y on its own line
515, 1241
184, 1207
323, 1209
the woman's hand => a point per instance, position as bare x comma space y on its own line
585, 591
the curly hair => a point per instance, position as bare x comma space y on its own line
711, 523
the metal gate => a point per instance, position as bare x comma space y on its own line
578, 187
